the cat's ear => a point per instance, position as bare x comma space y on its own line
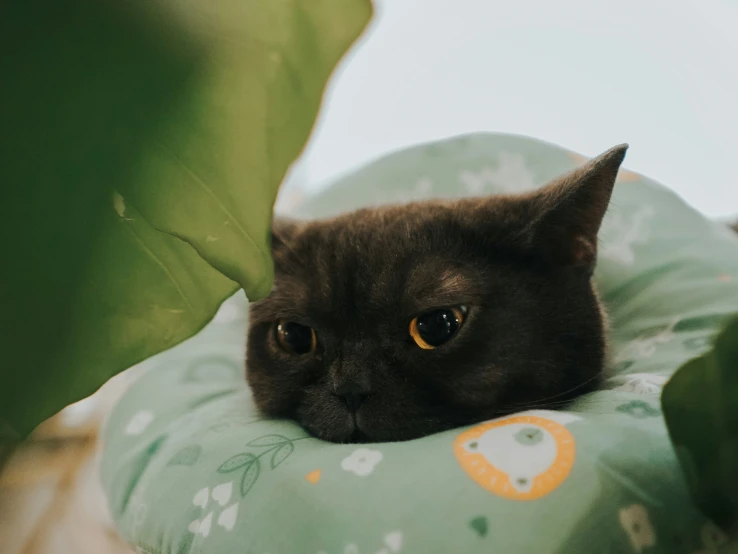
567, 213
283, 233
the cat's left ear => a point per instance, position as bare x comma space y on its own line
567, 213
284, 231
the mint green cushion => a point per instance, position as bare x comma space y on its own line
190, 466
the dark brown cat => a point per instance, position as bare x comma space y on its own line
393, 323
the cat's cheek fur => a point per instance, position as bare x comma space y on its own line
276, 388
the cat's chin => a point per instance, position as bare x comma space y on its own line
349, 432
339, 434
378, 419
339, 427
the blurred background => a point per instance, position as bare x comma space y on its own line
658, 74
583, 74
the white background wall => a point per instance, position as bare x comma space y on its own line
586, 74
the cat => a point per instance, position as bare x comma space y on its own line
396, 322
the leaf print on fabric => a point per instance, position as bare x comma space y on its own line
250, 475
187, 456
480, 525
362, 461
268, 440
698, 343
622, 366
282, 453
236, 462
639, 409
278, 446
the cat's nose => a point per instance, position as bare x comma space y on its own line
352, 395
353, 400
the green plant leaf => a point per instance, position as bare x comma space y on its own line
700, 404
142, 145
236, 462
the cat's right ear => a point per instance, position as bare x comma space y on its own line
564, 217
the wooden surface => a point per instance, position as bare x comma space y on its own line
51, 500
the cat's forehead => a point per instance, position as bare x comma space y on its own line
377, 261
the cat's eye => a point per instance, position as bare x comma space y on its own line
431, 329
295, 338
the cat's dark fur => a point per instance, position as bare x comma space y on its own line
534, 335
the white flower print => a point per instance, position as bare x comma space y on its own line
392, 544
511, 175
226, 519
139, 422
201, 498
201, 526
393, 540
712, 538
645, 346
619, 234
641, 383
362, 461
222, 493
420, 191
637, 525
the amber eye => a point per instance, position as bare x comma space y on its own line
295, 338
432, 329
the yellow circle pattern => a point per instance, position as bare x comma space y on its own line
496, 480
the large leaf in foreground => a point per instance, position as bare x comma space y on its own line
700, 404
120, 120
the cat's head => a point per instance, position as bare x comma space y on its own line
397, 322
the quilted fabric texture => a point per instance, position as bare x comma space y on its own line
190, 467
